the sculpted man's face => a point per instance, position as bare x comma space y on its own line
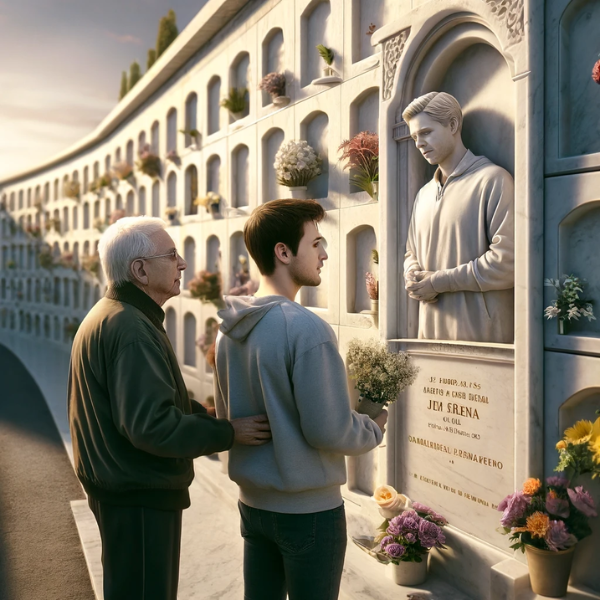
435, 141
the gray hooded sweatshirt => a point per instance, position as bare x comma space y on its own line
276, 357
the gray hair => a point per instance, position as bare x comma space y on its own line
123, 242
440, 106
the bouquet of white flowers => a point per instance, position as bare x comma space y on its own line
296, 163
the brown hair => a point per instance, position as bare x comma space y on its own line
278, 221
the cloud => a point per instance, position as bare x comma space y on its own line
124, 39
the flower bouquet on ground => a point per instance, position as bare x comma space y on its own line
547, 521
568, 305
361, 154
207, 287
407, 535
579, 450
380, 375
296, 164
274, 85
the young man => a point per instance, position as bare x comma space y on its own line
277, 357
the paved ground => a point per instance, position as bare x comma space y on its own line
40, 553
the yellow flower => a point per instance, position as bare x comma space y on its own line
580, 433
562, 445
538, 524
595, 448
595, 432
531, 486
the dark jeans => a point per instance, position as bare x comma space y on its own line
301, 555
140, 551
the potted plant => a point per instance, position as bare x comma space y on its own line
327, 55
568, 305
45, 258
236, 102
579, 450
406, 537
380, 375
274, 85
211, 202
207, 287
148, 162
123, 171
171, 213
547, 521
34, 231
71, 189
373, 291
193, 135
296, 164
361, 154
100, 183
91, 264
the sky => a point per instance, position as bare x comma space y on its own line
61, 64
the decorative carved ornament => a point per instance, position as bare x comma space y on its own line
392, 51
512, 14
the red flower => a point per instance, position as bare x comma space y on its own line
596, 72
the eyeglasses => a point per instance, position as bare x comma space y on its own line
173, 254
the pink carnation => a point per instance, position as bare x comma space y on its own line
513, 507
582, 501
557, 506
558, 538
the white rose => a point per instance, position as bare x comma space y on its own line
390, 502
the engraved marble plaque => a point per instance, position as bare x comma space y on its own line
455, 433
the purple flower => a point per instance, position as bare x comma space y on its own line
395, 550
557, 481
408, 521
422, 508
513, 507
558, 538
557, 506
393, 529
432, 514
582, 501
430, 534
388, 539
411, 538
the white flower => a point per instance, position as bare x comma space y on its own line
551, 312
573, 313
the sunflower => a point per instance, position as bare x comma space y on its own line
531, 486
595, 449
538, 524
580, 433
595, 432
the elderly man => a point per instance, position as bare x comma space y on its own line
134, 429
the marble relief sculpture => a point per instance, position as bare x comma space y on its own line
459, 261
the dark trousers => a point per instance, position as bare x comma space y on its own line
140, 551
301, 555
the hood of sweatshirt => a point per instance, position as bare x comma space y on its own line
242, 313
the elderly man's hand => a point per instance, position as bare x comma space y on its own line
419, 287
252, 431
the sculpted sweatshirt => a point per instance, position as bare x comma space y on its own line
276, 357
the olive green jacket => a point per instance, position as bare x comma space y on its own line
133, 427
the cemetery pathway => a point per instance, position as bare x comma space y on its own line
40, 553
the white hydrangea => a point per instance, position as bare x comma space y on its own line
296, 163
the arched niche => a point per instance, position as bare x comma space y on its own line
130, 206
579, 233
141, 141
239, 77
65, 220
27, 323
156, 199
213, 104
142, 201
579, 100
271, 142
36, 326
313, 31
317, 296
213, 254
107, 163
467, 62
191, 117
172, 130
76, 299
119, 202
86, 296
189, 340
191, 190
272, 57
189, 255
75, 217
66, 296
365, 13
240, 193
118, 154
171, 327
315, 130
364, 112
47, 326
155, 138
57, 329
172, 189
213, 174
239, 267
129, 152
360, 243
65, 330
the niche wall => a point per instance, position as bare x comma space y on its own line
240, 180
271, 142
315, 130
272, 57
360, 243
314, 31
213, 105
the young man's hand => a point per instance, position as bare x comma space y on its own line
252, 431
381, 420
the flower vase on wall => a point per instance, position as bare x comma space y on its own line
409, 572
549, 571
280, 100
215, 210
562, 327
298, 192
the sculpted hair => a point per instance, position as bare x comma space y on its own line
278, 221
440, 106
123, 242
